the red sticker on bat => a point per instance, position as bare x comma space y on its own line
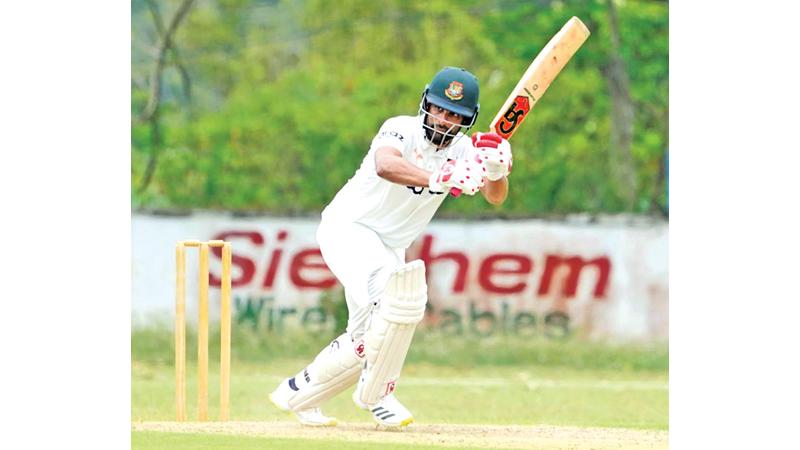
513, 116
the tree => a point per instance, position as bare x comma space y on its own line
286, 96
150, 112
622, 114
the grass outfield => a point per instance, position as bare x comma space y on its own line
490, 395
519, 384
154, 440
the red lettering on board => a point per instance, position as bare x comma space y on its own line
274, 262
498, 273
308, 260
575, 265
489, 268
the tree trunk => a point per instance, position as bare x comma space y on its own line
150, 114
622, 116
163, 47
155, 149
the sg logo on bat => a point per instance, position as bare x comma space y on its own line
513, 116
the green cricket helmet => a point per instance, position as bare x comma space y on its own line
456, 90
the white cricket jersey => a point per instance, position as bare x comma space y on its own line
397, 213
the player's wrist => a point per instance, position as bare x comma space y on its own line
433, 182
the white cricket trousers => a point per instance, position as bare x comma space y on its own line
362, 263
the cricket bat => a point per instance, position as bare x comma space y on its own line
537, 78
540, 74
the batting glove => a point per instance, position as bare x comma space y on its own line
495, 153
459, 175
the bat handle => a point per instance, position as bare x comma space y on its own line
455, 192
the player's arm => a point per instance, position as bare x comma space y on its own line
391, 166
495, 192
461, 174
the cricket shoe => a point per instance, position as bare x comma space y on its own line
312, 417
388, 411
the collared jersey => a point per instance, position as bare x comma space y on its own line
397, 213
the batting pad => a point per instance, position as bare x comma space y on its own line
335, 369
402, 306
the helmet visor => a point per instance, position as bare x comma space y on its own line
446, 133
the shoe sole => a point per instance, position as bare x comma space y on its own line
402, 424
330, 423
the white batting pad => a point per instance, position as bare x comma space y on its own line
402, 306
335, 369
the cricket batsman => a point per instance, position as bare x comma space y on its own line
411, 166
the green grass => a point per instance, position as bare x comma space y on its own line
492, 395
146, 440
499, 380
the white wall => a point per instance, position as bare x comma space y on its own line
632, 303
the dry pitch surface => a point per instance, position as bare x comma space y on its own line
481, 436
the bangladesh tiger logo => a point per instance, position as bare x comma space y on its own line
455, 91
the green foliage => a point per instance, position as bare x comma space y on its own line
286, 97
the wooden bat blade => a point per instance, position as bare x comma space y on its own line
538, 77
